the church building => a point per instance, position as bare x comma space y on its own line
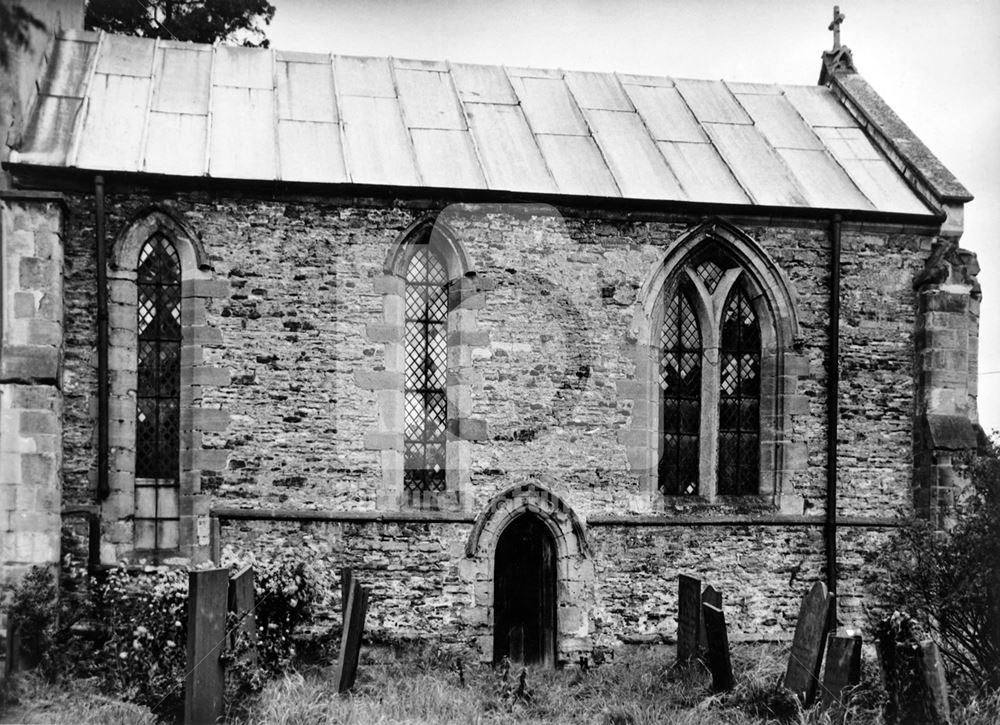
517, 345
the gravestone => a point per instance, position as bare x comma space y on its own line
241, 603
688, 618
912, 673
204, 683
806, 658
712, 596
843, 667
719, 661
935, 682
350, 640
346, 579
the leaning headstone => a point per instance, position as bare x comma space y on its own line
688, 618
843, 667
346, 579
241, 604
205, 680
719, 661
806, 658
350, 640
712, 596
912, 673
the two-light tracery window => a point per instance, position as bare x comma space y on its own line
157, 440
710, 370
426, 355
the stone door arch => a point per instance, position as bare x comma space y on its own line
573, 568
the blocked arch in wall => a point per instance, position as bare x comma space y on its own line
197, 289
771, 297
575, 589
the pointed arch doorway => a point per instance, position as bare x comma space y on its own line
524, 593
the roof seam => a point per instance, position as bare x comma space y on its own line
341, 121
410, 146
531, 132
144, 137
477, 154
81, 120
649, 135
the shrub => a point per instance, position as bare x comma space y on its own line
950, 582
144, 657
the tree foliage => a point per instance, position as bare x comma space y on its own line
15, 30
951, 582
234, 22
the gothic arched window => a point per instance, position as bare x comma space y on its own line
710, 381
157, 431
425, 380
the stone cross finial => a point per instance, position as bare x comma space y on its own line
838, 18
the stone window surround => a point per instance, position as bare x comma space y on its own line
197, 287
465, 298
770, 294
575, 577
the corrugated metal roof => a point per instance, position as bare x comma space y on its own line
164, 107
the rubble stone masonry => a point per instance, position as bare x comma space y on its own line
289, 418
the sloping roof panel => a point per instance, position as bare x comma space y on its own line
756, 164
243, 134
167, 107
577, 165
378, 146
175, 143
183, 77
310, 151
635, 162
548, 106
116, 117
702, 172
446, 158
69, 69
428, 99
305, 92
507, 148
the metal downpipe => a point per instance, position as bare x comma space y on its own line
103, 488
833, 413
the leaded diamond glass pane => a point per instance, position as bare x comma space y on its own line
739, 399
710, 273
157, 440
426, 355
680, 396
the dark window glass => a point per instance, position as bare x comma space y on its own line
426, 343
739, 397
680, 393
157, 444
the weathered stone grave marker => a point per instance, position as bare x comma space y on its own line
802, 675
719, 661
204, 683
843, 667
936, 682
241, 603
689, 622
712, 596
350, 640
346, 580
913, 675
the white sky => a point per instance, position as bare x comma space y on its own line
936, 62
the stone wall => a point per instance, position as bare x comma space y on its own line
422, 586
559, 291
30, 370
560, 298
